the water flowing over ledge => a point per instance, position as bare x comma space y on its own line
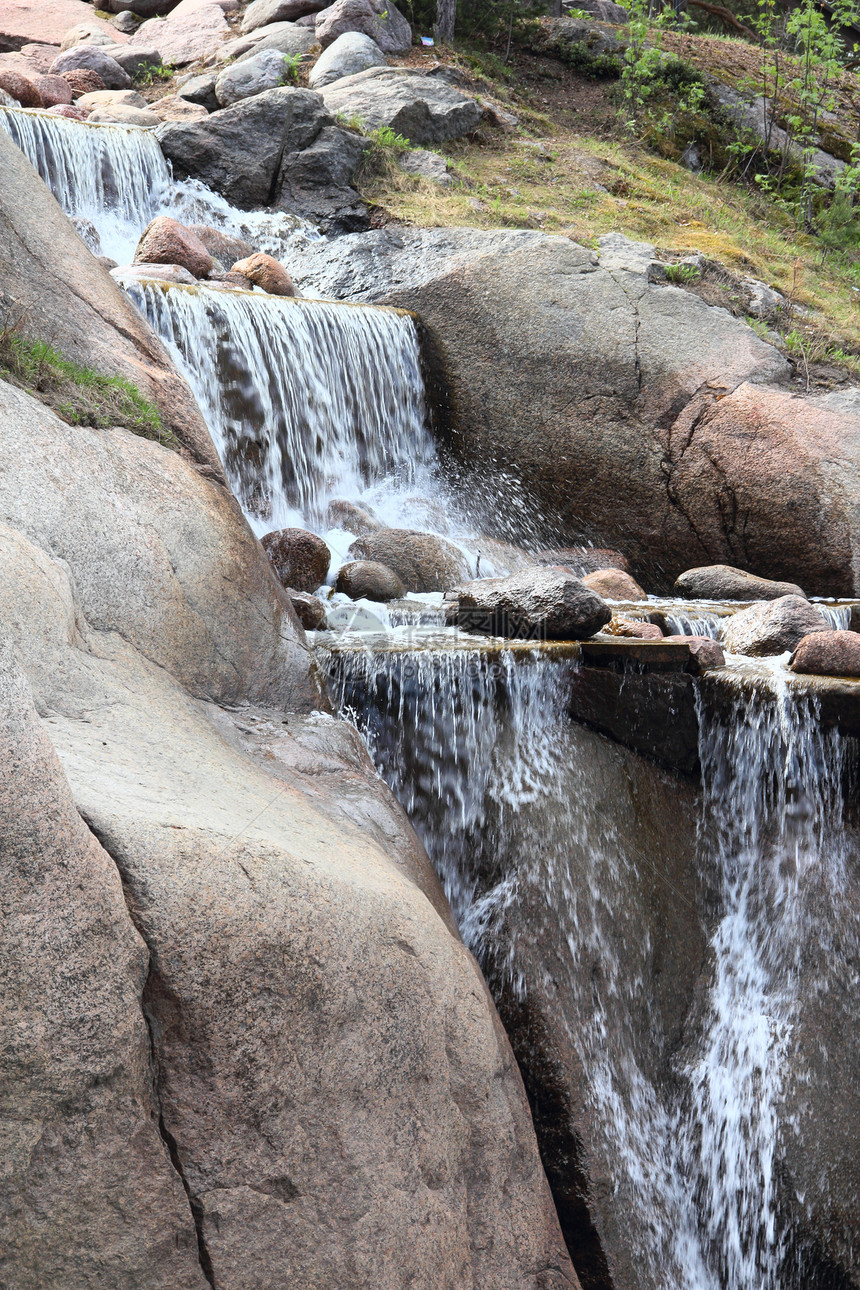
306, 400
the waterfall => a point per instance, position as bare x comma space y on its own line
118, 178
525, 818
839, 616
305, 400
694, 625
772, 820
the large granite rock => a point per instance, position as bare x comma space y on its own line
92, 58
260, 13
278, 148
257, 1052
184, 37
826, 653
261, 71
382, 21
722, 582
772, 627
423, 109
26, 21
422, 561
635, 415
351, 53
538, 604
51, 278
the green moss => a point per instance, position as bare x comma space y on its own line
78, 395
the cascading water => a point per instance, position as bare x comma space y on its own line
117, 178
306, 400
511, 802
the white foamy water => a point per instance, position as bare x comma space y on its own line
118, 178
306, 400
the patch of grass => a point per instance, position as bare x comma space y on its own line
77, 394
152, 73
682, 273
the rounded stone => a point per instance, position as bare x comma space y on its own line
300, 559
166, 241
370, 580
835, 653
82, 80
21, 88
614, 584
266, 272
94, 59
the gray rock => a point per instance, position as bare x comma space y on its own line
772, 627
753, 114
286, 37
125, 22
238, 151
124, 114
538, 604
261, 13
315, 182
422, 561
200, 89
427, 165
143, 8
382, 21
369, 579
85, 33
421, 108
351, 53
89, 318
92, 58
763, 301
722, 582
134, 59
261, 71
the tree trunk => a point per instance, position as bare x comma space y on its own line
443, 29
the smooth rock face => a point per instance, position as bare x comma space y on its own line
368, 578
421, 108
588, 416
265, 271
65, 109
422, 561
45, 23
110, 98
614, 584
262, 71
122, 114
174, 108
50, 275
166, 241
300, 559
263, 12
351, 53
426, 165
222, 246
184, 38
200, 89
544, 604
721, 582
827, 653
92, 58
238, 151
134, 58
375, 18
86, 33
89, 1192
305, 984
773, 627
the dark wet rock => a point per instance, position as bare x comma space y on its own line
343, 514
722, 582
300, 559
369, 579
704, 651
201, 90
614, 584
382, 21
238, 151
827, 653
772, 627
422, 561
310, 610
542, 604
166, 241
422, 108
92, 58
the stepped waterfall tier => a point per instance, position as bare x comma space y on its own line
654, 863
305, 400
